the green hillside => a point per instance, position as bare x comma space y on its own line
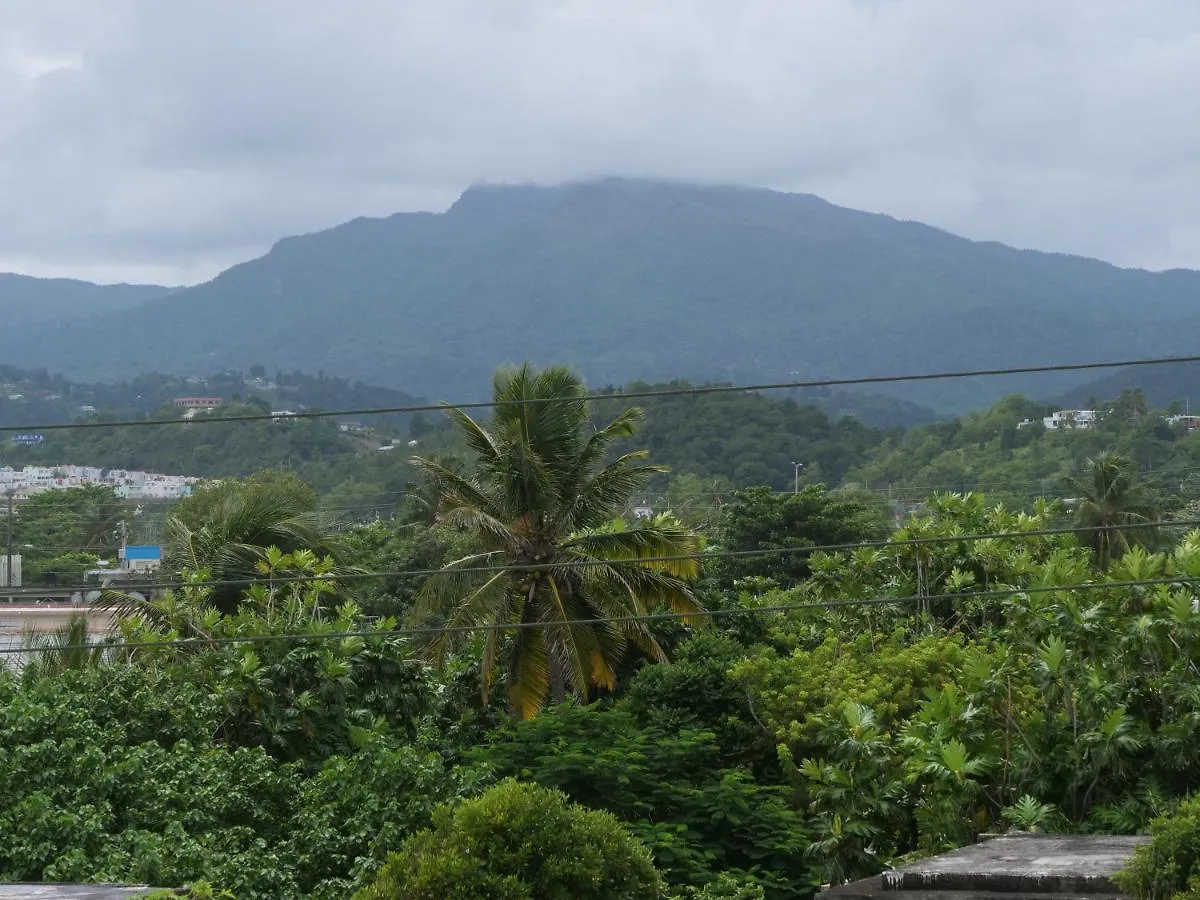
641, 280
25, 301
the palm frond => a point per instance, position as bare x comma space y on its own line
641, 543
488, 604
477, 437
602, 496
529, 676
456, 490
574, 643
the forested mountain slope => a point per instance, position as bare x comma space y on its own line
26, 301
637, 279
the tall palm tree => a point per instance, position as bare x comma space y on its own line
542, 506
1110, 501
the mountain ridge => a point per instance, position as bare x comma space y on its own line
41, 299
638, 279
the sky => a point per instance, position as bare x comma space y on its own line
152, 141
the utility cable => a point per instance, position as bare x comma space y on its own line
486, 627
139, 587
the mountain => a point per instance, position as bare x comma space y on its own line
26, 301
641, 280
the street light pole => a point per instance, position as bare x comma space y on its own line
8, 573
796, 467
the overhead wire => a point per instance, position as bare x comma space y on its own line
702, 556
486, 627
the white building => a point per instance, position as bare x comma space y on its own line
32, 480
1070, 418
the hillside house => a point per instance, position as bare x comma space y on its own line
197, 402
1070, 418
1189, 423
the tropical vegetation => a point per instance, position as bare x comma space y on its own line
747, 698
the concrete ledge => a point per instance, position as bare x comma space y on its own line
1045, 867
1022, 863
71, 892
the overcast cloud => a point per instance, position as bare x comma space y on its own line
158, 140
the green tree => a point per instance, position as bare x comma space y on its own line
673, 787
1131, 406
225, 533
541, 506
514, 842
1110, 501
757, 519
62, 532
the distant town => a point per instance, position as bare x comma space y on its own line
27, 481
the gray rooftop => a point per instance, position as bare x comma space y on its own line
1057, 866
70, 892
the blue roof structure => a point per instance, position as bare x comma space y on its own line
143, 553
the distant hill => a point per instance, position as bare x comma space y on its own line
640, 280
37, 397
1162, 386
26, 301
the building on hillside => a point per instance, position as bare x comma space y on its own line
32, 480
1070, 418
197, 402
1190, 423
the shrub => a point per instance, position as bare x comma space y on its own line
1169, 865
517, 841
725, 886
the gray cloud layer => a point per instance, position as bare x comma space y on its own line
142, 139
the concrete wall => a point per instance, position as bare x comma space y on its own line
19, 619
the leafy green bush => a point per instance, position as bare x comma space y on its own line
672, 788
1169, 865
359, 807
889, 673
514, 842
725, 887
112, 774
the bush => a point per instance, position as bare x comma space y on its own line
670, 786
514, 842
1169, 865
725, 887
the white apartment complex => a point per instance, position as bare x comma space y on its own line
28, 481
1065, 418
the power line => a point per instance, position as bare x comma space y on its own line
624, 395
413, 631
589, 563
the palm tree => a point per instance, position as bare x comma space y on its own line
542, 507
1132, 405
1110, 501
234, 534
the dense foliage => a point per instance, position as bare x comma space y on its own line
1168, 867
830, 713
